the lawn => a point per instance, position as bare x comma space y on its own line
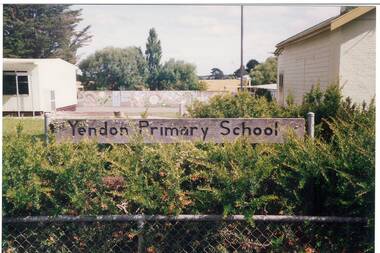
32, 126
35, 126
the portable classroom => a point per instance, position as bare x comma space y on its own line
34, 86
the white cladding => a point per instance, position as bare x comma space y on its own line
358, 58
345, 56
44, 75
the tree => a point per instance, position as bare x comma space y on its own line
42, 31
251, 64
217, 73
178, 75
265, 73
345, 9
115, 69
153, 54
237, 72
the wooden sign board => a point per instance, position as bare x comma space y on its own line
270, 130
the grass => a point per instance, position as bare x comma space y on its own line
35, 126
32, 126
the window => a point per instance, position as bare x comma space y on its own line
281, 87
281, 82
9, 84
15, 81
23, 87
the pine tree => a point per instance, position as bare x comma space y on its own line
216, 73
42, 31
153, 54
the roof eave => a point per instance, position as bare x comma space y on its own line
349, 16
330, 24
307, 36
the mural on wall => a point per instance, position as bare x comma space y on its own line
94, 98
146, 99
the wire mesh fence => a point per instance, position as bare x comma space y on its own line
185, 233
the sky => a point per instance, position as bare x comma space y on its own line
207, 36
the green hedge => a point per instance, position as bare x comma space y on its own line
333, 175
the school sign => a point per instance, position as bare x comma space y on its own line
218, 130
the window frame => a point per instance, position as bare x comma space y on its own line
18, 74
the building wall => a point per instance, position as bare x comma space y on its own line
308, 63
29, 102
231, 85
124, 100
345, 56
44, 75
358, 58
60, 76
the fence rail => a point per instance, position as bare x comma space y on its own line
185, 233
184, 217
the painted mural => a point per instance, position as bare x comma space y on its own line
137, 99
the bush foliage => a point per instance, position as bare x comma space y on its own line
332, 175
115, 69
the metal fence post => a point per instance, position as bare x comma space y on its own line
140, 225
310, 124
47, 118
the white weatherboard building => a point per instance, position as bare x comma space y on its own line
34, 86
340, 50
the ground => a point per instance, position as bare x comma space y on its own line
33, 126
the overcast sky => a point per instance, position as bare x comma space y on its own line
207, 36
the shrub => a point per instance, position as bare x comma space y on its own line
242, 105
316, 168
331, 175
334, 176
86, 178
202, 85
53, 179
325, 104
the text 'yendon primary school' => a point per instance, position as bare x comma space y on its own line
176, 130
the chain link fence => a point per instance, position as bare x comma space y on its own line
186, 233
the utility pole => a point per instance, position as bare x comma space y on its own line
241, 48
